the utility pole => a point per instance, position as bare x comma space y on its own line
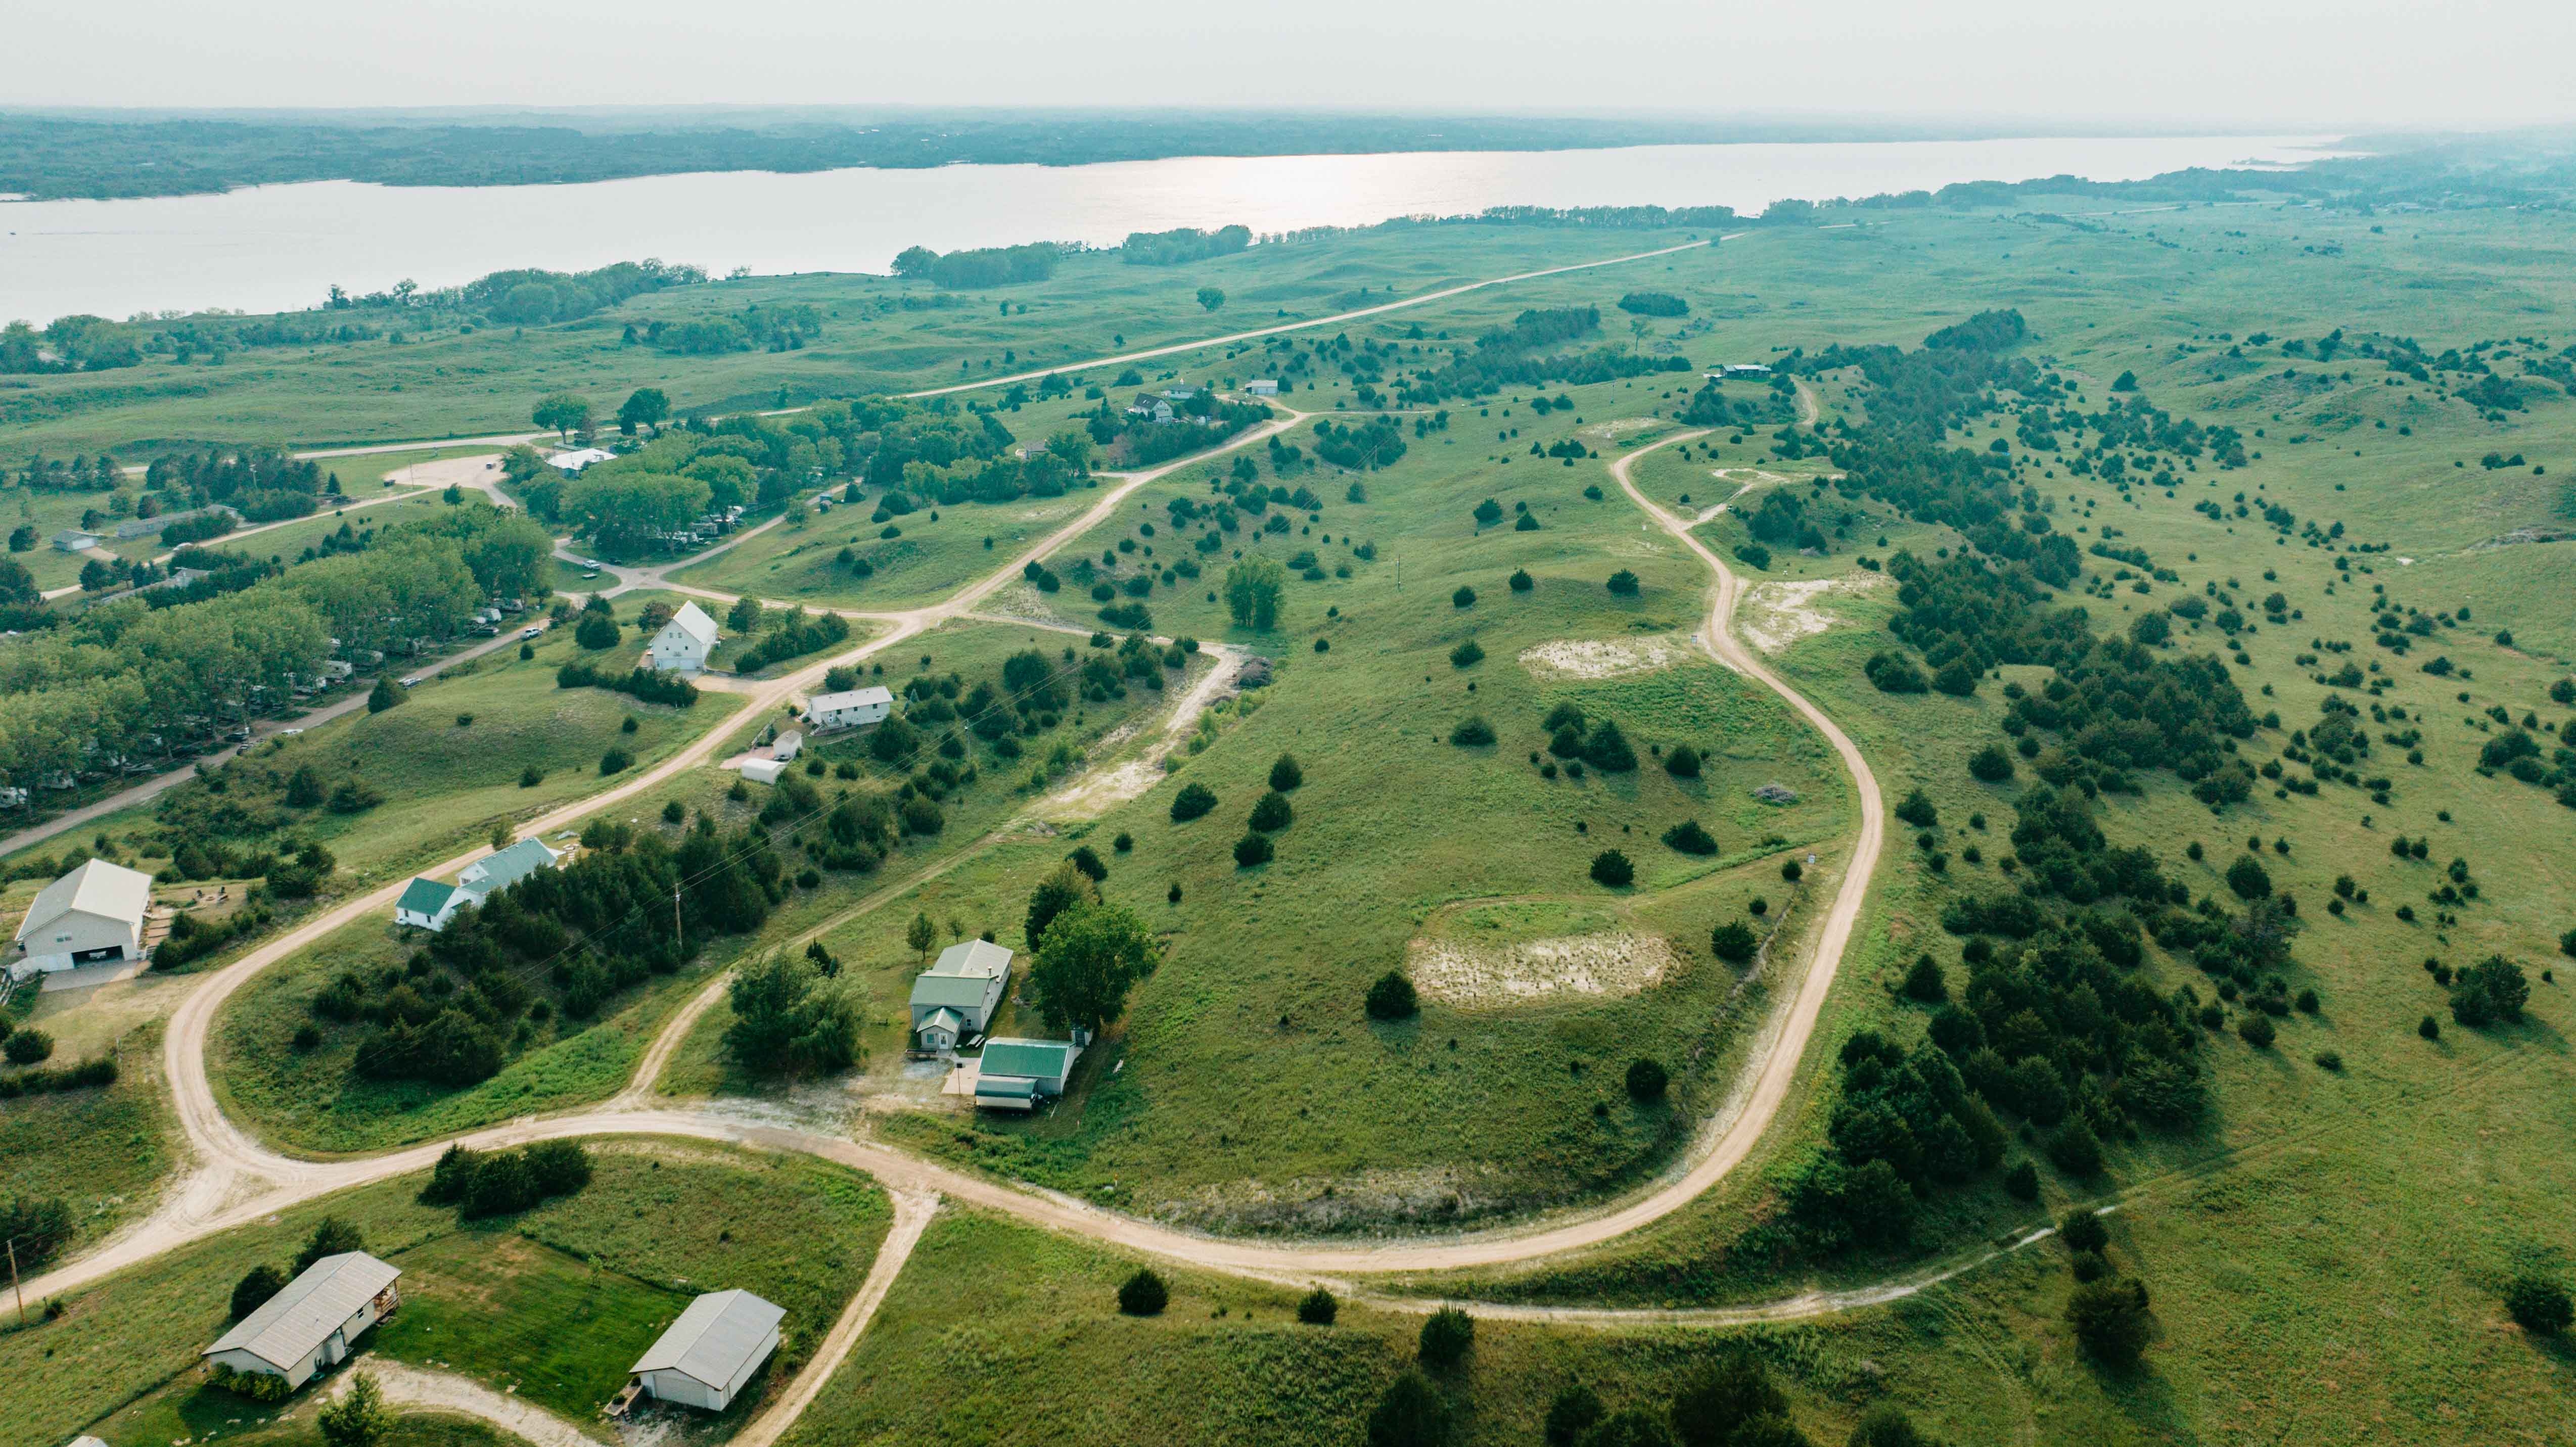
676, 942
13, 1282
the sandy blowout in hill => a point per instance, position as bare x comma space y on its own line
1775, 615
1583, 658
1472, 976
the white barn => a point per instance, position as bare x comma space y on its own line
684, 643
710, 1353
578, 458
310, 1323
855, 708
93, 915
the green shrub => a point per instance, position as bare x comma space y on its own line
1611, 868
1647, 1081
1391, 997
1144, 1293
1252, 849
1682, 762
255, 1288
1447, 1336
2110, 1318
2022, 1181
1690, 838
1733, 942
1572, 1414
1923, 981
1472, 732
1522, 582
1193, 801
2075, 1149
1991, 764
2539, 1305
1318, 1307
2256, 1029
1466, 655
2083, 1231
1272, 813
1285, 774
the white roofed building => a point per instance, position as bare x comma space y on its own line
854, 708
311, 1322
93, 915
579, 458
684, 643
711, 1352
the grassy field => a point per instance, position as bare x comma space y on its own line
878, 333
587, 1279
105, 1151
2326, 1252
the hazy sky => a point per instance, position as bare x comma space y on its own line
2335, 63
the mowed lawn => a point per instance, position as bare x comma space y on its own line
552, 1304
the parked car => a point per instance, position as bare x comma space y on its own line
412, 682
532, 632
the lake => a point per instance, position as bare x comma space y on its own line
274, 248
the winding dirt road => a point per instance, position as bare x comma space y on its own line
240, 1180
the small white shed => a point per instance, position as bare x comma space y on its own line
310, 1323
763, 771
711, 1351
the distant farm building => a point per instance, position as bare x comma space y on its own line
579, 458
1262, 387
1023, 1074
710, 1353
73, 540
856, 708
684, 643
955, 998
309, 1324
91, 916
1741, 369
430, 904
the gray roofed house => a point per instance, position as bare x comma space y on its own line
312, 1320
706, 1356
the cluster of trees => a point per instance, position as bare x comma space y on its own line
986, 266
786, 327
498, 1183
40, 473
1712, 406
1573, 737
1654, 304
1360, 447
794, 1015
1200, 422
1528, 353
263, 484
1184, 244
651, 685
599, 926
39, 1226
792, 633
2115, 704
1088, 953
122, 678
527, 297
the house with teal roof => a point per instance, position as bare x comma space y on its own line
429, 904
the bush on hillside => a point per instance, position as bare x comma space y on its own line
1193, 801
1446, 1337
1472, 732
1647, 1081
1318, 1307
1144, 1293
1690, 838
1733, 942
1391, 997
2539, 1305
1612, 869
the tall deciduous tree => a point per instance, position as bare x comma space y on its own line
562, 413
1086, 962
644, 407
1252, 591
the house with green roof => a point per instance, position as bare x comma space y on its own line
429, 904
955, 998
1019, 1074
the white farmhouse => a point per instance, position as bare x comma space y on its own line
709, 1354
310, 1323
684, 643
955, 998
1262, 386
93, 915
429, 904
856, 708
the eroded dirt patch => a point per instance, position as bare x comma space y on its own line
1590, 658
1775, 615
1474, 975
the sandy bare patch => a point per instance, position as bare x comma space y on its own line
1471, 975
1096, 792
1601, 658
1019, 599
446, 471
1620, 427
1775, 615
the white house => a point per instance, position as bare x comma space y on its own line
856, 708
955, 998
310, 1323
73, 540
709, 1354
1262, 387
574, 461
90, 916
684, 643
787, 746
1023, 1074
763, 771
1746, 369
429, 904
